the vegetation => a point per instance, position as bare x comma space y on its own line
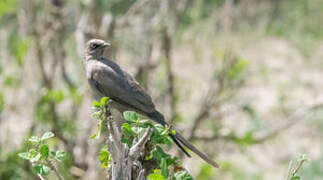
239, 79
160, 164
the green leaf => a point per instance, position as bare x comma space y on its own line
156, 175
303, 157
248, 139
47, 135
130, 116
18, 46
60, 156
52, 153
35, 158
99, 129
138, 131
164, 167
32, 153
159, 154
144, 123
237, 68
7, 7
296, 178
160, 135
206, 171
126, 129
97, 114
34, 139
105, 157
44, 151
173, 132
104, 100
94, 136
183, 175
75, 96
2, 102
56, 96
11, 81
41, 169
24, 155
96, 104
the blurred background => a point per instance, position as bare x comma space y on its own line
242, 79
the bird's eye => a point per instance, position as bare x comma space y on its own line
93, 46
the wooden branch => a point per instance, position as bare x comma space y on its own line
52, 166
140, 145
40, 177
126, 163
300, 115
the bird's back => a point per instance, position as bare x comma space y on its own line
110, 80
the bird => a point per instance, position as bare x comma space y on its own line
107, 79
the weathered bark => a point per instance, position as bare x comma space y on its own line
126, 163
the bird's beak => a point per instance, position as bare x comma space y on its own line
106, 44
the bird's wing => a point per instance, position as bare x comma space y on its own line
117, 84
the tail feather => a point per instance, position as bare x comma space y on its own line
159, 118
179, 145
180, 138
180, 141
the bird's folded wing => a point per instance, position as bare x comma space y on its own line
121, 87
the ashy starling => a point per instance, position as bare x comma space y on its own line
107, 79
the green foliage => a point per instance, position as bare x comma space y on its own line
41, 169
199, 11
105, 157
99, 114
237, 68
183, 175
247, 139
312, 170
44, 108
156, 175
18, 47
294, 167
56, 96
298, 21
11, 81
134, 128
58, 155
11, 166
2, 102
206, 172
67, 125
164, 160
116, 7
7, 7
75, 96
46, 136
40, 154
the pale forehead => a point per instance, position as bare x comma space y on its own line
95, 41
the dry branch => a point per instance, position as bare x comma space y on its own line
126, 164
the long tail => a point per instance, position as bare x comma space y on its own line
180, 141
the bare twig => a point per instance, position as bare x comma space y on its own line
167, 47
113, 137
40, 177
294, 168
300, 115
52, 166
139, 146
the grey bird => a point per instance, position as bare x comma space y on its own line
107, 79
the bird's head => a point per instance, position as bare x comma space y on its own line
95, 47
